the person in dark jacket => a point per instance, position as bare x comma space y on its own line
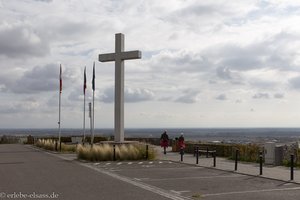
181, 141
164, 141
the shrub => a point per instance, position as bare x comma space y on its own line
49, 144
104, 152
247, 152
46, 144
9, 139
223, 150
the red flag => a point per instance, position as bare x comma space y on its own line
84, 81
60, 80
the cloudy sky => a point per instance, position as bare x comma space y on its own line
205, 63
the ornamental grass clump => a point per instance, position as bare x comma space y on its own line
101, 152
68, 148
49, 144
142, 151
83, 152
105, 152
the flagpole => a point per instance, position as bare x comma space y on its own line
84, 87
93, 123
59, 109
83, 119
93, 129
59, 129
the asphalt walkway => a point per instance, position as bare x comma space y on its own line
28, 173
273, 172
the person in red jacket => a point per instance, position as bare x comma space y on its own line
181, 141
164, 141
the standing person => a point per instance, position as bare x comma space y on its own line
164, 141
181, 141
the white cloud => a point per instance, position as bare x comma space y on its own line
21, 40
261, 96
39, 79
279, 96
194, 52
179, 61
26, 105
206, 16
224, 73
131, 95
189, 96
221, 97
45, 1
295, 82
138, 95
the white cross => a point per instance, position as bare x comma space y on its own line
119, 56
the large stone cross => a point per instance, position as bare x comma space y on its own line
119, 56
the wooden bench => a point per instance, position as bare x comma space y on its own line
204, 150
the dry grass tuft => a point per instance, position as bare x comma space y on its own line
49, 144
104, 152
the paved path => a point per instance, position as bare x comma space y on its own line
188, 182
278, 172
25, 171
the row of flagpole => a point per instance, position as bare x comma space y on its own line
91, 112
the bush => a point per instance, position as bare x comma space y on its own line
223, 150
46, 144
49, 144
104, 152
9, 139
247, 152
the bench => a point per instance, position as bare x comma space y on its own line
204, 150
76, 139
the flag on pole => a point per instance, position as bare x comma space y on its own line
84, 81
93, 81
93, 121
84, 88
60, 79
59, 107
